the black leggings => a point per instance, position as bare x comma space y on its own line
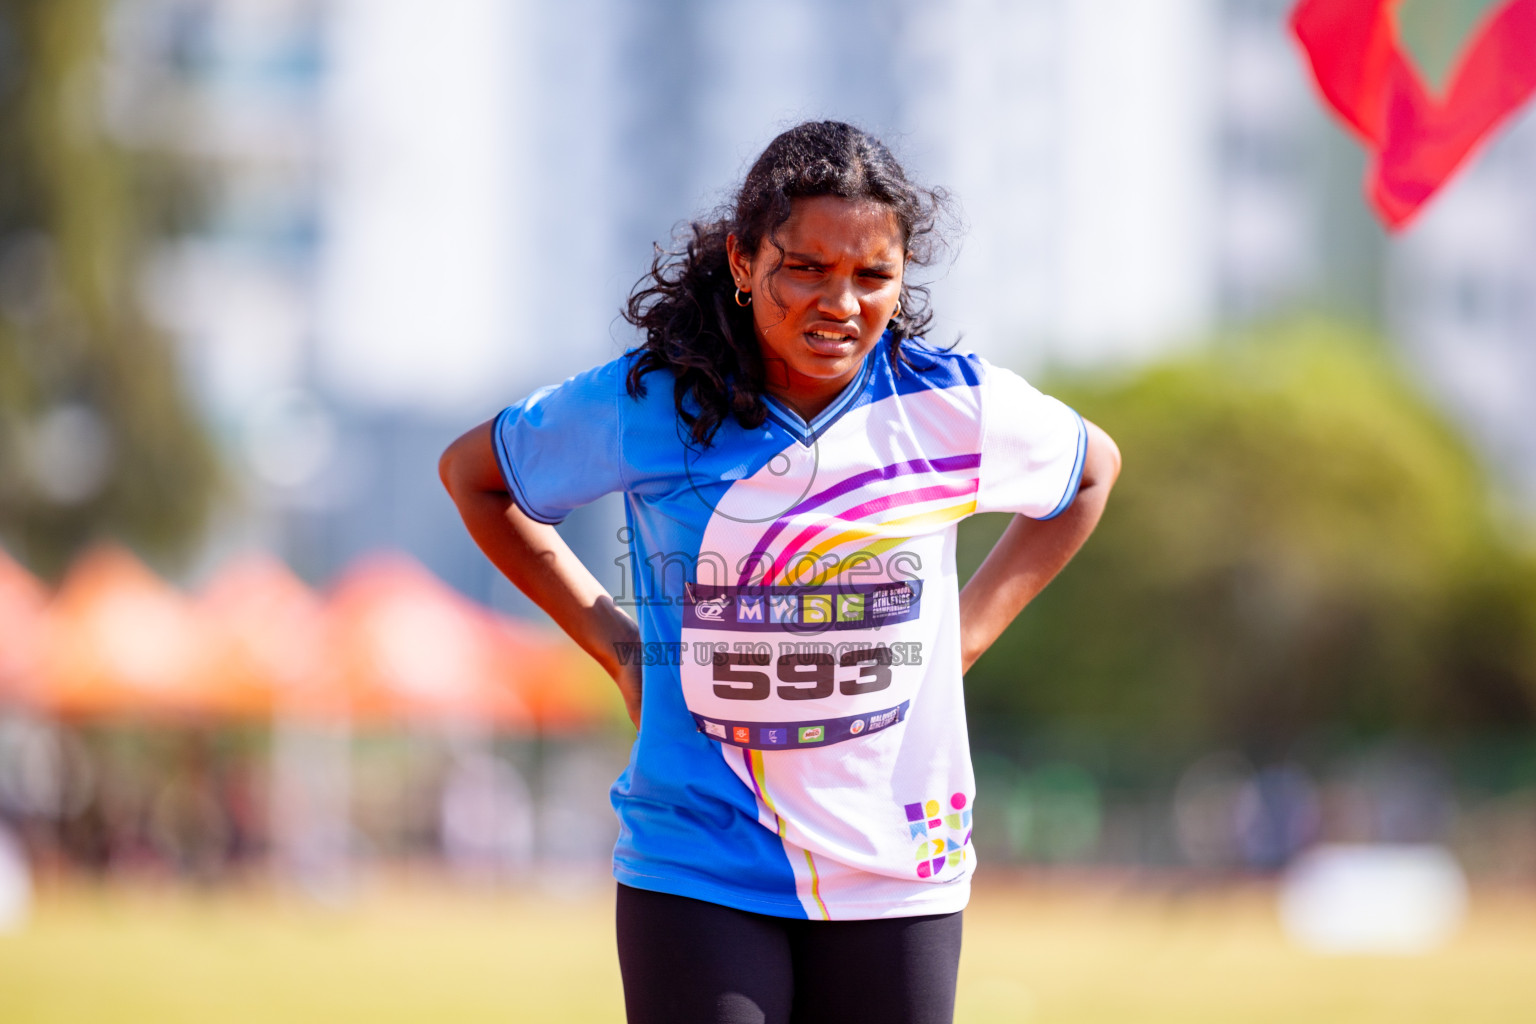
685, 961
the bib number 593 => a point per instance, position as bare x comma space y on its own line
802, 676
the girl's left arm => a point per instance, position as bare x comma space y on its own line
1032, 551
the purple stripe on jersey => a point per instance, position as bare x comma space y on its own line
942, 465
880, 504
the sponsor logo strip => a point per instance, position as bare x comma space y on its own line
799, 735
801, 609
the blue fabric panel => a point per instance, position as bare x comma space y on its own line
559, 447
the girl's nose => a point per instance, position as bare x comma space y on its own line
838, 301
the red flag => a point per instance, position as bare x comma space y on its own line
1416, 139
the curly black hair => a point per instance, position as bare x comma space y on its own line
684, 302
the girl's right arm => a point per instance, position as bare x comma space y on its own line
539, 563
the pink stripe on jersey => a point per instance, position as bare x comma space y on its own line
946, 464
880, 504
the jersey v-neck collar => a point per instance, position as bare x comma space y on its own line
808, 433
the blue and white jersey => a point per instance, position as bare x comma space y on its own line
802, 748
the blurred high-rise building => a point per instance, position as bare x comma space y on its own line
1455, 291
1460, 297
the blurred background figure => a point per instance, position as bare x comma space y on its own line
15, 882
188, 822
486, 818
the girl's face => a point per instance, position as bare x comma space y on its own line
818, 316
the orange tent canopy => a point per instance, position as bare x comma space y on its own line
120, 639
562, 687
22, 603
268, 635
405, 645
391, 642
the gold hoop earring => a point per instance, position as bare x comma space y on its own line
897, 314
738, 298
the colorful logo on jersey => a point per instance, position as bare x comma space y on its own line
812, 733
784, 608
891, 601
749, 608
741, 734
850, 607
712, 610
818, 609
715, 729
857, 726
937, 850
775, 737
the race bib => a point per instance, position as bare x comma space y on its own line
783, 667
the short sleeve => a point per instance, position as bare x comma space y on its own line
560, 447
1032, 448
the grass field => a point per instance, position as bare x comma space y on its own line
1058, 954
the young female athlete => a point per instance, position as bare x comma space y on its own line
795, 819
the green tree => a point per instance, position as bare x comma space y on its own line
1298, 542
97, 436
